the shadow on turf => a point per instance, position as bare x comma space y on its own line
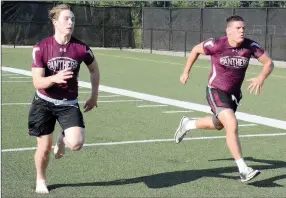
169, 179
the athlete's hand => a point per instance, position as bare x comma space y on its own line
90, 104
62, 76
255, 84
184, 78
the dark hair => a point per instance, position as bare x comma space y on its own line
234, 18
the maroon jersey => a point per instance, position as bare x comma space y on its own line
53, 57
229, 64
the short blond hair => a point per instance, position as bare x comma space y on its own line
55, 11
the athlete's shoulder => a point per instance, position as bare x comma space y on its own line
251, 43
215, 41
45, 41
76, 41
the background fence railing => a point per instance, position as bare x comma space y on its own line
169, 29
129, 37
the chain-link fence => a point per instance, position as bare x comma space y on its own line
171, 29
264, 25
26, 23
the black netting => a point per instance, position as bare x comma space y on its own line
178, 29
161, 39
277, 47
255, 21
186, 19
25, 23
214, 20
277, 22
157, 18
265, 26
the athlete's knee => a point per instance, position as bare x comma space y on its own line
76, 146
217, 124
74, 138
219, 127
44, 150
44, 145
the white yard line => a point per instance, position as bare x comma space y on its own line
113, 101
151, 106
244, 125
150, 141
19, 77
80, 102
9, 74
280, 124
14, 81
186, 111
109, 96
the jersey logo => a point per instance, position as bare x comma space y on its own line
59, 63
234, 61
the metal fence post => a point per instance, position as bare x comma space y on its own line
142, 28
121, 37
270, 45
266, 29
186, 33
103, 30
15, 34
170, 28
201, 25
151, 43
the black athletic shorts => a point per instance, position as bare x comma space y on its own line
43, 115
220, 100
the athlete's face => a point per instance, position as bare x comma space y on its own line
65, 22
236, 31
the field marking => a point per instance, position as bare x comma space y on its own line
79, 102
280, 124
8, 74
14, 81
110, 96
19, 77
186, 111
151, 141
155, 105
243, 125
166, 62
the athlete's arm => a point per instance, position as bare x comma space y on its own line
268, 65
94, 79
193, 56
42, 82
257, 83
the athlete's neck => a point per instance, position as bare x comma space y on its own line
233, 43
62, 39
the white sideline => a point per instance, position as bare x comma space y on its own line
79, 102
142, 106
149, 141
280, 124
186, 111
253, 61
